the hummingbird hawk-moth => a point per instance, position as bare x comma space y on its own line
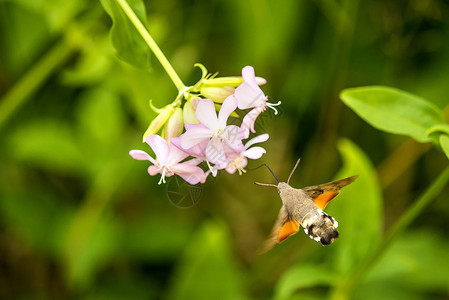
304, 207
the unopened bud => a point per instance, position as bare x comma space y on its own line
174, 126
217, 94
232, 81
159, 121
189, 111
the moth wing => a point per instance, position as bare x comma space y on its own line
289, 228
282, 229
322, 194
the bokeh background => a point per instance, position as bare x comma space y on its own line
80, 219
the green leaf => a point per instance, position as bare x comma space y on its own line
207, 269
101, 118
126, 40
438, 129
440, 133
415, 263
444, 143
93, 65
358, 210
302, 276
393, 110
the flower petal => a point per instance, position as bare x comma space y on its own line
231, 168
190, 173
153, 170
205, 113
195, 136
141, 155
248, 96
215, 152
188, 126
250, 119
235, 135
261, 80
258, 139
175, 155
239, 163
177, 141
228, 106
231, 153
192, 179
197, 151
159, 146
254, 152
206, 174
194, 162
249, 76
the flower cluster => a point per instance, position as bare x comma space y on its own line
216, 140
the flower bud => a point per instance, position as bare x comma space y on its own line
217, 94
159, 121
232, 81
189, 111
174, 126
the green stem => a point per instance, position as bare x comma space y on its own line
33, 79
73, 38
88, 217
398, 228
152, 44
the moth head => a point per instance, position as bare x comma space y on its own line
282, 186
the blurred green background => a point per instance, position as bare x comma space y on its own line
80, 219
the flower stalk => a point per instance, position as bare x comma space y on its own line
152, 44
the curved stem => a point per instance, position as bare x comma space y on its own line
152, 44
73, 38
33, 79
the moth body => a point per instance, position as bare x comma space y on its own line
318, 225
304, 207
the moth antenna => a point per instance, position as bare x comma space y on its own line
271, 172
266, 184
293, 171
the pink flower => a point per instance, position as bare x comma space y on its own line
215, 130
238, 160
168, 161
250, 95
198, 151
